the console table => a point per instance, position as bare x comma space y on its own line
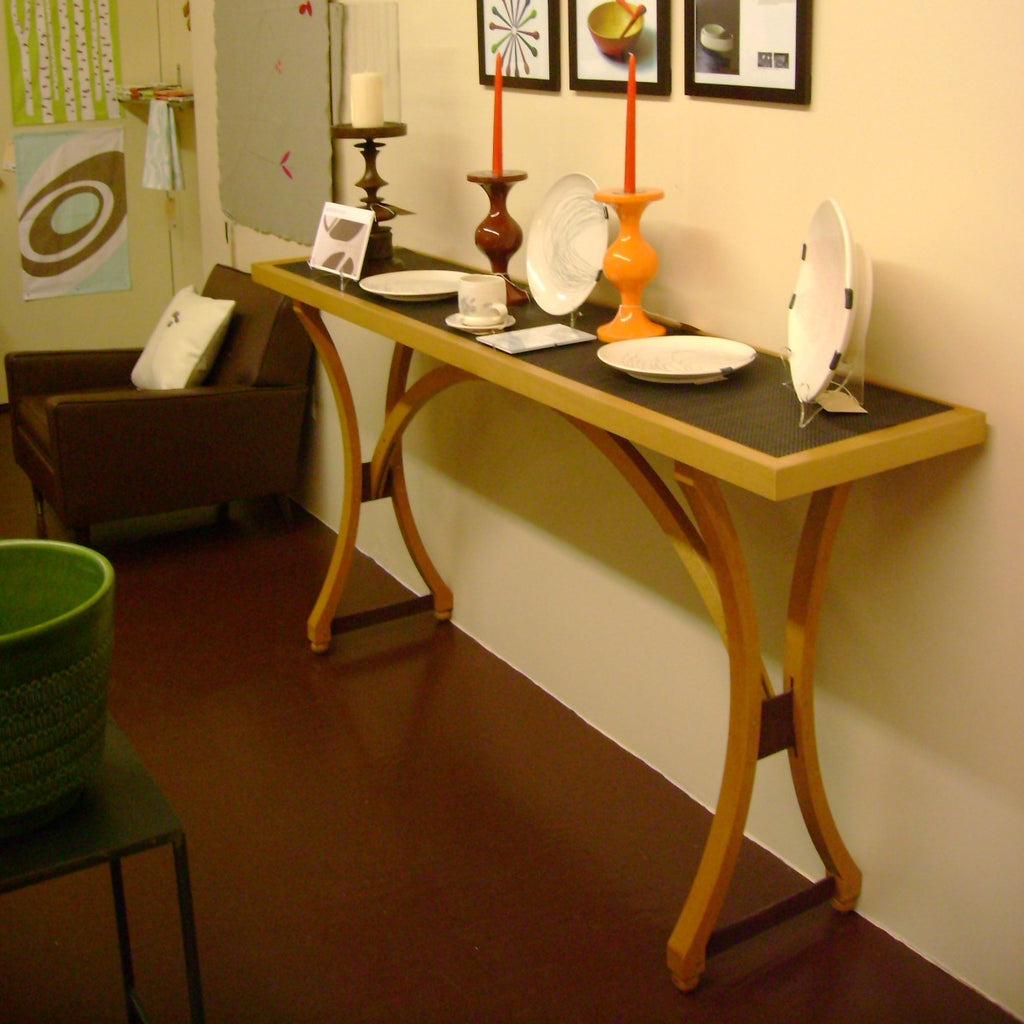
744, 431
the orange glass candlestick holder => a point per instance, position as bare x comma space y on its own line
630, 264
498, 236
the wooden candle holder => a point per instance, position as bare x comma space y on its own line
498, 236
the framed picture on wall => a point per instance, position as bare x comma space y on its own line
739, 49
525, 33
602, 34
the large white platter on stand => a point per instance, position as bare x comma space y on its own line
566, 245
822, 310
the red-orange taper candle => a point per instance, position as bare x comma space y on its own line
496, 158
630, 183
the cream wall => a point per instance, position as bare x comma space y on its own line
552, 561
163, 228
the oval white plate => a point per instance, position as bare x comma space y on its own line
566, 246
681, 359
821, 312
413, 285
455, 320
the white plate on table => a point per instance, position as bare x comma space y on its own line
455, 320
677, 359
567, 242
413, 285
823, 308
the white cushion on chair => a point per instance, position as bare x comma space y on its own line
183, 346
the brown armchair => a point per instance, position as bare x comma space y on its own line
98, 449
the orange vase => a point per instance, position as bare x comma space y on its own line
630, 264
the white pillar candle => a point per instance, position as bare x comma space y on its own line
367, 99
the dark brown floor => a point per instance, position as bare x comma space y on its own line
403, 830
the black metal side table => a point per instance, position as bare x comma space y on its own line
121, 812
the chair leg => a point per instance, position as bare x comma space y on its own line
135, 1014
284, 504
188, 930
37, 497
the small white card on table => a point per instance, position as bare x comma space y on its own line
531, 339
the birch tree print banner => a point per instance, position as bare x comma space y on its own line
64, 60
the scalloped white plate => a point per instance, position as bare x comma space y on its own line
414, 285
677, 359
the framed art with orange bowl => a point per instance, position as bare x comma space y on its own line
602, 35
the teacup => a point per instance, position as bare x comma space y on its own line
482, 300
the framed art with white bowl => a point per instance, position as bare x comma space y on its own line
748, 51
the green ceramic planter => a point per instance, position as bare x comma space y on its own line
56, 638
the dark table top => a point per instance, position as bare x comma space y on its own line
755, 407
121, 811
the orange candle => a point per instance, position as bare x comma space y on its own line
630, 182
496, 158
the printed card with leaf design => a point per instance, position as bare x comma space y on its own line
341, 240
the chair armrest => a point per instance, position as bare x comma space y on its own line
127, 453
48, 373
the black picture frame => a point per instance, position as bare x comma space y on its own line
729, 57
592, 71
526, 32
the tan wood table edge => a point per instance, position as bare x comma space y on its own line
774, 478
762, 721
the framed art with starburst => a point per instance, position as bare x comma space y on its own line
525, 33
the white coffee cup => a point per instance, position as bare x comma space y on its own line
482, 300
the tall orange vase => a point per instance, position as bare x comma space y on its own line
630, 264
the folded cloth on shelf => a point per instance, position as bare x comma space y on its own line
162, 169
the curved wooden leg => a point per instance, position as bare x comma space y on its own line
400, 412
806, 593
688, 942
667, 513
318, 625
671, 517
387, 473
714, 560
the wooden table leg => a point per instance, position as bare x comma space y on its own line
806, 593
761, 724
387, 475
688, 942
384, 477
318, 626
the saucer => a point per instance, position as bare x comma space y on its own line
456, 321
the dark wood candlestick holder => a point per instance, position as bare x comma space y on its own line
498, 236
380, 251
